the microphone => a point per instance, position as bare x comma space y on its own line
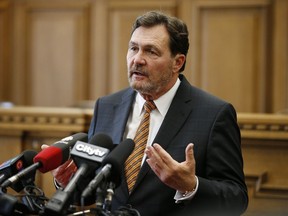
112, 167
15, 165
87, 158
58, 153
49, 158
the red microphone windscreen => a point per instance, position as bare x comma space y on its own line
50, 158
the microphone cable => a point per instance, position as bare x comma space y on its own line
34, 198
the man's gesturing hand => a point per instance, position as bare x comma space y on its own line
180, 176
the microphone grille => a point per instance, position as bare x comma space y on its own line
102, 140
29, 155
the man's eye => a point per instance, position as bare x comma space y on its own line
152, 52
133, 48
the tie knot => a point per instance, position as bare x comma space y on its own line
149, 106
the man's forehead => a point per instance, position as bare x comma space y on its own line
149, 35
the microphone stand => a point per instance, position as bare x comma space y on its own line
109, 196
103, 199
99, 209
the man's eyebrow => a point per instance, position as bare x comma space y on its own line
132, 43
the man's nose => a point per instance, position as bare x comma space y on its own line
139, 58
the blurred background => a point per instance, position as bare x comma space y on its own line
58, 56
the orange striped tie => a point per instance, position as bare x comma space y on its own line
133, 163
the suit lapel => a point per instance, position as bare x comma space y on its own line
119, 121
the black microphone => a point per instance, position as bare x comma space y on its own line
14, 166
112, 167
49, 158
88, 158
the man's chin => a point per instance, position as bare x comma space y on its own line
138, 86
136, 82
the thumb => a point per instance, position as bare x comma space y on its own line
44, 146
190, 152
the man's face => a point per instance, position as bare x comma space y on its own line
152, 70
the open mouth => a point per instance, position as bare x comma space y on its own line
138, 73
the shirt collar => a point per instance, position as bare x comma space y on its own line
162, 103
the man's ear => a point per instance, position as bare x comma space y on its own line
179, 60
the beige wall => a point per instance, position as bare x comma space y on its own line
60, 52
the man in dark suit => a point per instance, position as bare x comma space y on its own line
193, 162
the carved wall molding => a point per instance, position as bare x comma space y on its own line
263, 126
43, 119
252, 125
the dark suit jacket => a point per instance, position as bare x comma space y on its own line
194, 116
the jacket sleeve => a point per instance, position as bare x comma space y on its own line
223, 185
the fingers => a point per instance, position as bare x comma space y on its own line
63, 173
154, 158
158, 154
190, 153
152, 152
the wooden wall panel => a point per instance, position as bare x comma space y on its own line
229, 50
55, 55
98, 75
4, 50
279, 95
53, 49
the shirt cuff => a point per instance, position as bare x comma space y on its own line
187, 195
57, 185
